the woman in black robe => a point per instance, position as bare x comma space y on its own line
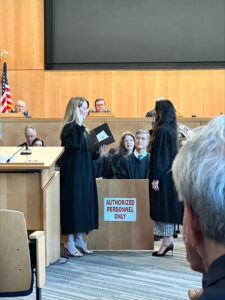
165, 209
78, 192
126, 146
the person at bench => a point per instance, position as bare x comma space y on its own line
30, 134
20, 107
100, 106
136, 164
38, 143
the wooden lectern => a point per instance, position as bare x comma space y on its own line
121, 233
30, 184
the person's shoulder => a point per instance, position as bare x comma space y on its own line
27, 114
150, 113
129, 157
167, 127
162, 129
23, 144
92, 110
147, 156
107, 110
68, 127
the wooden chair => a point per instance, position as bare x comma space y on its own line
17, 265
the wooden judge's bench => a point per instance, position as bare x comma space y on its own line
49, 129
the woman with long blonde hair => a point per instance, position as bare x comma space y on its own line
78, 193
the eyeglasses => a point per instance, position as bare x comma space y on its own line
140, 138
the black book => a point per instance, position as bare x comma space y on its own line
100, 135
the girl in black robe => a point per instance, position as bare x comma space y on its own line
165, 209
78, 192
126, 146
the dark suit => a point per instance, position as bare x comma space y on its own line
26, 113
215, 281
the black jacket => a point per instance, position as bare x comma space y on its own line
215, 281
164, 204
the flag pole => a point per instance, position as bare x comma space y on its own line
6, 101
4, 53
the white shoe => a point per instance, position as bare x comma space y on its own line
71, 250
82, 246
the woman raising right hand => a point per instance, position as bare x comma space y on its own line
78, 192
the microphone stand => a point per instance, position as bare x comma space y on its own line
8, 160
26, 151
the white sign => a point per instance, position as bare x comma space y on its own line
102, 136
120, 209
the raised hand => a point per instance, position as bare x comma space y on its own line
80, 118
101, 148
155, 185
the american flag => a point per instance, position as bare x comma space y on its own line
6, 101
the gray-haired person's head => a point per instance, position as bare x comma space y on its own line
143, 131
199, 175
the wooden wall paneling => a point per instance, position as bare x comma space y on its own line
60, 86
172, 87
214, 92
125, 94
147, 91
22, 33
101, 87
22, 194
29, 86
56, 89
154, 84
191, 93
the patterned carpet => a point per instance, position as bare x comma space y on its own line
122, 275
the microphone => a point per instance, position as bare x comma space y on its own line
26, 151
8, 160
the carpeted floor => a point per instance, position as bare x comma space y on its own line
122, 275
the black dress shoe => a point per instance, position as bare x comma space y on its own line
168, 248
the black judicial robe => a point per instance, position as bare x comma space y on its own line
164, 204
78, 192
130, 167
98, 166
214, 288
110, 165
103, 165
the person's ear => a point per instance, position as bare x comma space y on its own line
197, 235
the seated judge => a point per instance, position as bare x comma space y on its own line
199, 173
30, 135
20, 107
136, 164
100, 106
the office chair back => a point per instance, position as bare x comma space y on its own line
15, 269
